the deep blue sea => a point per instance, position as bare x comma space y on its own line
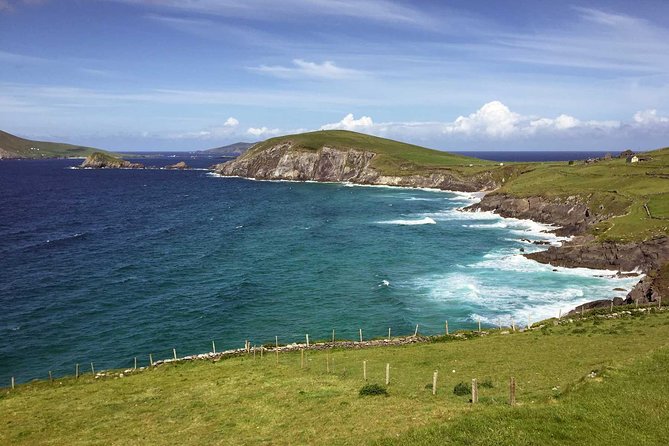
106, 265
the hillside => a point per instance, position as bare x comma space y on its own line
338, 155
599, 380
14, 147
235, 149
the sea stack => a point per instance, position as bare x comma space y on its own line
100, 160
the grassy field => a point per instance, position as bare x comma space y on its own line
14, 147
614, 188
252, 401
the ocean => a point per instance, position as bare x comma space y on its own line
104, 265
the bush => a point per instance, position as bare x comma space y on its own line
373, 390
462, 389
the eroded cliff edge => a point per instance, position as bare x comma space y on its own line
329, 164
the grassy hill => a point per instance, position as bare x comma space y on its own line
235, 149
595, 381
393, 156
612, 187
14, 147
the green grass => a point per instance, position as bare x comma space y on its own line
14, 147
247, 401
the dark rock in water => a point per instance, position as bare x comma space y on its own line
522, 249
179, 165
619, 289
541, 242
100, 160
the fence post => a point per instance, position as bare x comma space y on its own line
150, 359
475, 391
213, 347
92, 369
301, 358
307, 340
434, 382
174, 351
50, 377
512, 391
560, 314
389, 333
333, 335
479, 324
513, 325
13, 383
611, 305
361, 335
135, 367
529, 323
415, 333
387, 374
76, 371
364, 370
446, 327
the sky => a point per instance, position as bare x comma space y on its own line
450, 75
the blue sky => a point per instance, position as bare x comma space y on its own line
452, 75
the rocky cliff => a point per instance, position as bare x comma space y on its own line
285, 162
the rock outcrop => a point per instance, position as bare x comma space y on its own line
572, 215
100, 160
180, 165
284, 162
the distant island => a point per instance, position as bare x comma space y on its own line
235, 149
616, 209
14, 147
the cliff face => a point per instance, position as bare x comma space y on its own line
570, 214
282, 162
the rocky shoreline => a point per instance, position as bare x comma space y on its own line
583, 250
572, 216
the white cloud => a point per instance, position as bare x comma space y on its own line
649, 117
262, 131
303, 68
231, 122
350, 123
494, 119
494, 124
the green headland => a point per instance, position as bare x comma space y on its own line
14, 147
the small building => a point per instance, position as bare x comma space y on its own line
633, 159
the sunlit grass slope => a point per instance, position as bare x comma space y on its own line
252, 401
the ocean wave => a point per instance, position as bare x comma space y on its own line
422, 221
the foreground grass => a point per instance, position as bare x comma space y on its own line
247, 401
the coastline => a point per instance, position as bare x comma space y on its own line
557, 240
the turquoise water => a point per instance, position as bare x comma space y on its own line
104, 266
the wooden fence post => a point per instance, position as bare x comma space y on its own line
361, 335
174, 351
512, 391
611, 305
50, 377
560, 314
479, 324
150, 359
434, 382
389, 333
135, 367
307, 340
387, 374
513, 325
262, 349
92, 369
76, 371
13, 383
446, 327
301, 358
415, 333
529, 323
475, 391
333, 335
364, 370
213, 347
